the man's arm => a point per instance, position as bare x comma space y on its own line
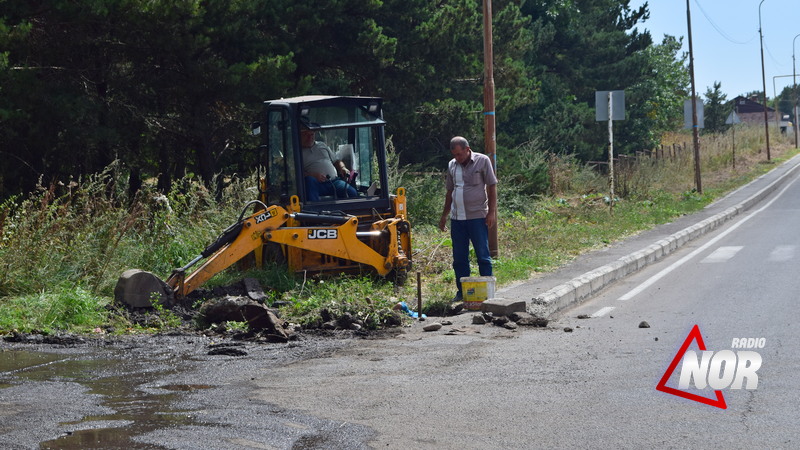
491, 192
341, 168
448, 202
338, 164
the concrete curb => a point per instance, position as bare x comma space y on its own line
583, 286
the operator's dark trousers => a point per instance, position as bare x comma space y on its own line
314, 189
462, 232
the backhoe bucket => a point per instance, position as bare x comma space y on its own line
139, 289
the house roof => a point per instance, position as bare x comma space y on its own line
743, 106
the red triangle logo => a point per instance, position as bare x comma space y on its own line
694, 335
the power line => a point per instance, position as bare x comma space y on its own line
773, 57
718, 29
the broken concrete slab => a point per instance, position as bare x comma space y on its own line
527, 319
503, 307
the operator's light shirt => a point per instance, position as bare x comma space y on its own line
468, 183
319, 158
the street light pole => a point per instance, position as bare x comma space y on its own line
794, 88
763, 79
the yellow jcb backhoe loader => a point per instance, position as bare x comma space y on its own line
292, 222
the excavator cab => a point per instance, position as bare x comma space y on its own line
353, 129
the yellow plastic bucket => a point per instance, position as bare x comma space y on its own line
475, 290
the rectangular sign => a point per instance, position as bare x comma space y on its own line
601, 105
687, 113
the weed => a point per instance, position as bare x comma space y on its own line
234, 326
59, 308
63, 246
165, 319
539, 233
369, 301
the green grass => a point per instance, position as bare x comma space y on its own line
543, 232
368, 300
63, 246
61, 308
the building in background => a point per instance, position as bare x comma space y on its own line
752, 112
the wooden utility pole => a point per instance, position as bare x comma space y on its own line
733, 133
795, 124
610, 153
695, 130
763, 80
490, 138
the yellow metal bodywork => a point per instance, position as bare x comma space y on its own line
385, 247
391, 253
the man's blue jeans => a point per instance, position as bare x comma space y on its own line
461, 233
314, 189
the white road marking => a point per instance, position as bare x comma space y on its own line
650, 281
722, 254
782, 253
603, 311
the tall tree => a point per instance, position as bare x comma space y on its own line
716, 110
582, 46
434, 89
168, 87
160, 85
655, 101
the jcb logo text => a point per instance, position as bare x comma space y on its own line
323, 234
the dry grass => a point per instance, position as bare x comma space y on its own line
540, 233
68, 248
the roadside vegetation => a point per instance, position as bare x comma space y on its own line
63, 246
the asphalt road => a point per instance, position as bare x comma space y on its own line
595, 386
465, 386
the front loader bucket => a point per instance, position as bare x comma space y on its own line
138, 289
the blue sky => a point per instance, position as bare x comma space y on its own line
725, 40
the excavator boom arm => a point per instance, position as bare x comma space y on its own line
248, 239
340, 241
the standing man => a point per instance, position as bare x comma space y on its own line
471, 202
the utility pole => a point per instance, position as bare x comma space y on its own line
695, 131
763, 79
610, 154
490, 139
794, 88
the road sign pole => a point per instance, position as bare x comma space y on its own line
606, 108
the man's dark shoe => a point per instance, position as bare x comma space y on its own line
457, 298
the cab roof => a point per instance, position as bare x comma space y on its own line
322, 98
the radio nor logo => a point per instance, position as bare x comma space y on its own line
716, 370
